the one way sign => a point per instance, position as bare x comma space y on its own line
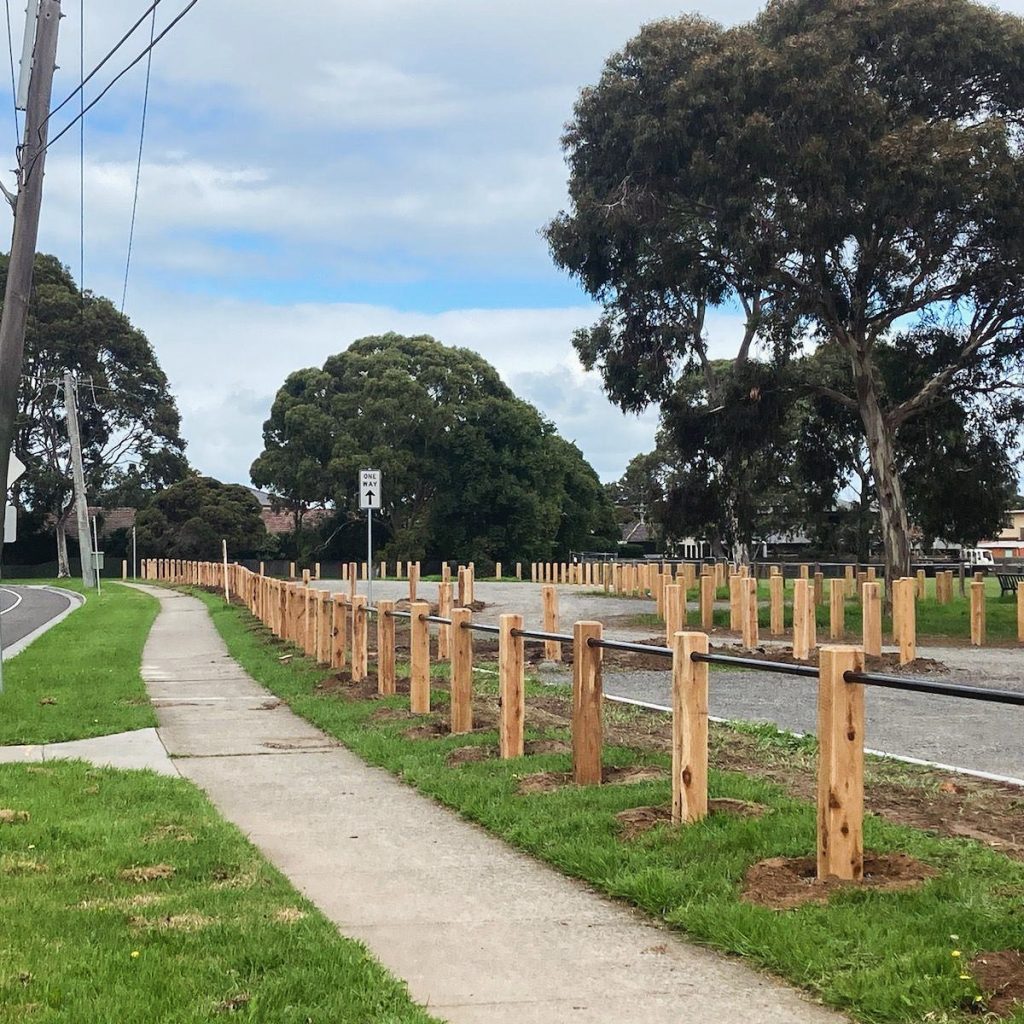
369, 489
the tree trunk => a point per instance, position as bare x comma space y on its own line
63, 566
892, 508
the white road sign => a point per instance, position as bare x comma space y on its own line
15, 467
369, 489
10, 524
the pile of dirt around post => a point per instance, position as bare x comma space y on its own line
784, 883
340, 685
476, 754
1000, 976
550, 782
440, 727
636, 821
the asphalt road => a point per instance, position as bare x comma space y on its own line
961, 733
24, 609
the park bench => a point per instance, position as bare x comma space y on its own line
1008, 581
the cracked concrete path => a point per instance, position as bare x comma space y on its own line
479, 931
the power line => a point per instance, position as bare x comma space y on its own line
138, 166
14, 84
120, 75
99, 67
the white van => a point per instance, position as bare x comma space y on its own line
977, 557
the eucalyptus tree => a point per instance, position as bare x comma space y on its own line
836, 172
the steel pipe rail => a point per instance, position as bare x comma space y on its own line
940, 689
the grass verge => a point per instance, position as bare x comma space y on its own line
885, 957
82, 678
126, 898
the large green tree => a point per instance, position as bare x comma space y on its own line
839, 171
193, 517
131, 444
469, 470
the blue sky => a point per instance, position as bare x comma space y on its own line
315, 173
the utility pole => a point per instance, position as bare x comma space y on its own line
78, 471
27, 204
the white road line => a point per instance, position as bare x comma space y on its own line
13, 593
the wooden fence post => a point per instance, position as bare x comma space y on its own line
419, 658
511, 687
385, 648
777, 591
462, 672
978, 613
850, 581
414, 579
748, 590
675, 610
359, 638
707, 601
871, 614
905, 591
689, 728
339, 630
921, 577
837, 609
323, 642
552, 648
444, 611
802, 611
819, 588
736, 588
840, 765
587, 701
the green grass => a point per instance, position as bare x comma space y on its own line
82, 678
225, 936
886, 958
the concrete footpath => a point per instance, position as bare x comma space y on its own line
480, 932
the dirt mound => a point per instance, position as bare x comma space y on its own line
1000, 976
470, 755
638, 820
441, 728
783, 883
549, 782
340, 685
547, 747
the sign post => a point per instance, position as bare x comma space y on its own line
369, 499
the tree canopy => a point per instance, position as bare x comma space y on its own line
191, 518
131, 444
838, 171
469, 470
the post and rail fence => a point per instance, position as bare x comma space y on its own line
332, 629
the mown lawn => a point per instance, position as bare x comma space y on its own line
125, 899
82, 678
887, 958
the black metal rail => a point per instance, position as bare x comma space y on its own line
960, 690
908, 684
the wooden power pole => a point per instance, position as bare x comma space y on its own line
27, 204
78, 473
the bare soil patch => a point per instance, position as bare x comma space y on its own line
636, 821
784, 883
549, 782
8, 816
440, 728
470, 755
1000, 976
340, 685
171, 923
153, 873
